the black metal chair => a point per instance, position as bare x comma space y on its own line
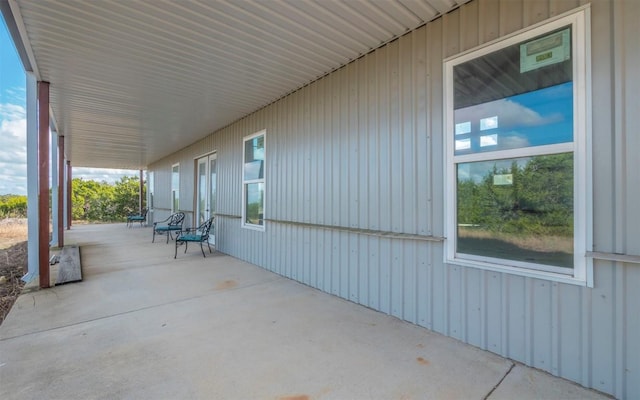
173, 223
132, 218
196, 235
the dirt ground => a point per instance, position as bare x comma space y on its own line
13, 262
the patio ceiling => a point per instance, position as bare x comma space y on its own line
133, 81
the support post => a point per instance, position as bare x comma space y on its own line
54, 188
61, 190
140, 191
32, 178
69, 197
43, 183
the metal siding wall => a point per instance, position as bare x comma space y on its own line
627, 32
362, 148
162, 192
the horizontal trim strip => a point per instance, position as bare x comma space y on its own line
627, 258
368, 232
227, 215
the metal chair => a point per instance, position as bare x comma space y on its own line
131, 218
172, 224
196, 235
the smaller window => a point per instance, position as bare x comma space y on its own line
175, 188
253, 182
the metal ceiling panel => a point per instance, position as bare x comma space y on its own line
134, 81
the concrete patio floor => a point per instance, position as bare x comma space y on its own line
145, 326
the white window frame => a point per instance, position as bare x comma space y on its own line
249, 181
582, 273
150, 189
175, 187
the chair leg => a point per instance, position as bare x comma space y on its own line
176, 253
202, 250
209, 246
154, 235
186, 244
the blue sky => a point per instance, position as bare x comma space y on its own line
13, 154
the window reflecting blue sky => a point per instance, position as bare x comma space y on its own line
536, 118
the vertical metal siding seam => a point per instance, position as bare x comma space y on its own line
374, 161
383, 126
505, 351
528, 316
556, 330
620, 322
619, 139
304, 179
484, 277
446, 310
429, 316
387, 178
395, 158
622, 20
296, 150
351, 159
341, 206
354, 182
368, 139
415, 80
376, 178
307, 174
464, 303
430, 282
407, 118
585, 336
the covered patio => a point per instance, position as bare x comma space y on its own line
142, 325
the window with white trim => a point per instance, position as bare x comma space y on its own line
518, 137
175, 188
253, 182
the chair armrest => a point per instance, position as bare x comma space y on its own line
163, 221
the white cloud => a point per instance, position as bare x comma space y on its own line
12, 112
513, 140
16, 95
13, 155
102, 174
509, 114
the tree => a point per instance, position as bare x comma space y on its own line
100, 201
12, 205
125, 196
537, 201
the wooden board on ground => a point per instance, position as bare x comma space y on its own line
69, 269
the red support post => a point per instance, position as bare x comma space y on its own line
43, 183
69, 199
60, 191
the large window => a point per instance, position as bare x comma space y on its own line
253, 183
175, 188
517, 152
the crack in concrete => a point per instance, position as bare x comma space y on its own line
500, 381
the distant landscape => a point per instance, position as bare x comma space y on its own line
92, 202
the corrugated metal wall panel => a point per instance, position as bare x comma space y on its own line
362, 148
631, 326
